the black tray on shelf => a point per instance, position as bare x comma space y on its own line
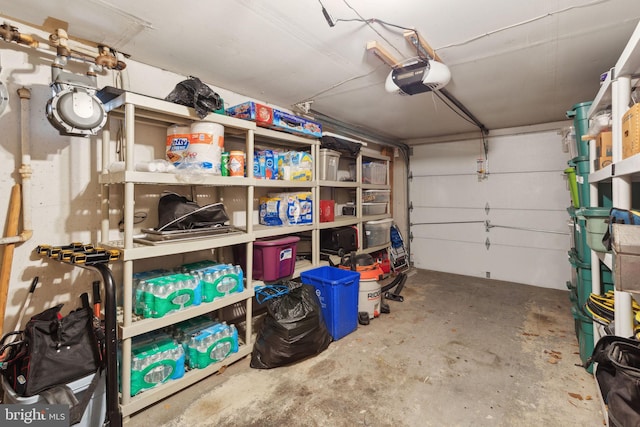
152, 236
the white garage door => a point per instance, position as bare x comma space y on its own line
524, 199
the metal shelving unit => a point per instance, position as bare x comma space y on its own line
358, 186
615, 92
369, 155
132, 109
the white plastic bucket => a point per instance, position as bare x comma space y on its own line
369, 298
206, 146
329, 164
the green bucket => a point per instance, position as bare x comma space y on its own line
580, 115
597, 226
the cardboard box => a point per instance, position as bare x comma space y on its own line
295, 124
603, 144
265, 164
626, 248
275, 119
631, 132
602, 162
259, 113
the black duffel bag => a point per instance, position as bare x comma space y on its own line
618, 375
52, 350
176, 212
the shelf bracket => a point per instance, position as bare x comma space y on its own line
413, 38
383, 54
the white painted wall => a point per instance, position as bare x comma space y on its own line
525, 188
65, 190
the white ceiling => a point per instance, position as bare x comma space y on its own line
513, 63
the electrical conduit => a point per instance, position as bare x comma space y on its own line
13, 220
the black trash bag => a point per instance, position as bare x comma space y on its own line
176, 212
194, 93
341, 145
292, 330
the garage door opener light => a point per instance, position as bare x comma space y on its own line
418, 77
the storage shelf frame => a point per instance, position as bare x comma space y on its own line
132, 109
615, 92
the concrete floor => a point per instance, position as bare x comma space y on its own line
459, 351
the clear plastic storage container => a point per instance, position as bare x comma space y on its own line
374, 173
376, 196
377, 232
329, 160
374, 208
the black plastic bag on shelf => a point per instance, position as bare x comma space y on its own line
341, 145
292, 330
193, 93
176, 212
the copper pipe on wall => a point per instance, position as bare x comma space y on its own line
59, 40
106, 58
11, 34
